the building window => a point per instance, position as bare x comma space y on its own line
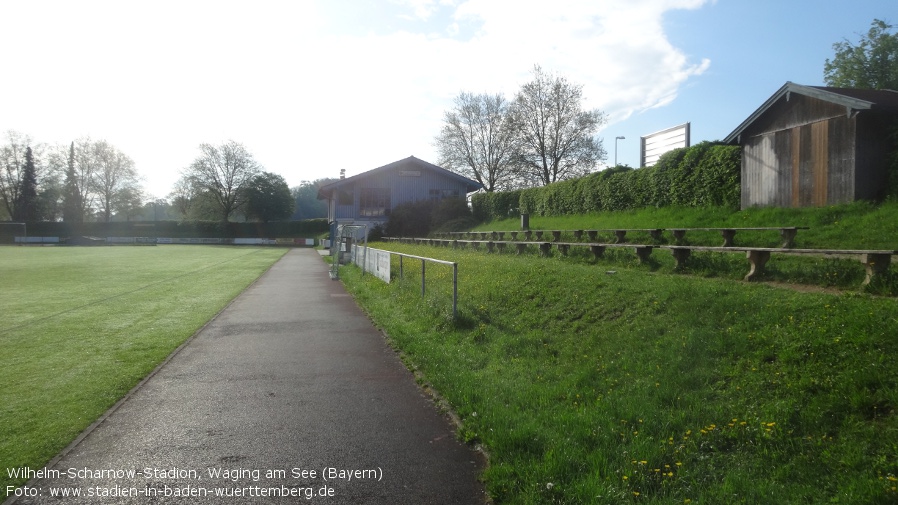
374, 202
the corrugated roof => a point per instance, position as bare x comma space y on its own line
854, 99
410, 162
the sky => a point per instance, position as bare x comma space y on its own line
311, 87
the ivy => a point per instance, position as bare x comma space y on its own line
702, 175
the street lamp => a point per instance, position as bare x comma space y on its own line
615, 148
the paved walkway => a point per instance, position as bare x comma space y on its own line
292, 377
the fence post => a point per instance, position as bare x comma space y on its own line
454, 290
422, 277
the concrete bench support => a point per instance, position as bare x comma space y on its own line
757, 259
544, 248
528, 234
563, 248
728, 235
521, 248
501, 246
501, 235
788, 236
643, 253
514, 235
592, 234
578, 234
681, 255
490, 246
678, 235
656, 234
876, 264
621, 236
539, 235
597, 251
556, 235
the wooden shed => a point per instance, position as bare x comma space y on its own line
368, 198
816, 146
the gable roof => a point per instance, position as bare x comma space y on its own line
408, 163
852, 99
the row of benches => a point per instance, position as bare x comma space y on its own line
787, 233
875, 262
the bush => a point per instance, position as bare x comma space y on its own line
707, 174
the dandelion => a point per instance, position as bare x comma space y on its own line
549, 485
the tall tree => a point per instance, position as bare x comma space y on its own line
223, 172
557, 137
26, 205
871, 64
268, 198
12, 169
72, 210
308, 206
115, 179
477, 140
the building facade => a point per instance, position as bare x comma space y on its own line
368, 198
816, 146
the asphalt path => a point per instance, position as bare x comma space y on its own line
289, 391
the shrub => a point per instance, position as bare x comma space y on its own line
702, 175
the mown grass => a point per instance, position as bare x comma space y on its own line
647, 386
82, 326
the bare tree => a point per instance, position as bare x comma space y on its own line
223, 172
12, 169
477, 140
557, 137
115, 178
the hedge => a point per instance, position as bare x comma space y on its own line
175, 229
706, 174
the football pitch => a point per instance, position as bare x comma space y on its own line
80, 327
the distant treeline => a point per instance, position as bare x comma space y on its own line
176, 229
707, 174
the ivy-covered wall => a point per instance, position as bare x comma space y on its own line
706, 174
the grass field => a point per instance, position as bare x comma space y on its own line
649, 386
81, 326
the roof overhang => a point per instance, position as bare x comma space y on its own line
852, 105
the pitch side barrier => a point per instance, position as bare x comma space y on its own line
363, 255
876, 262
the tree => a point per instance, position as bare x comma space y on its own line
12, 169
26, 204
557, 137
224, 172
871, 64
116, 182
72, 207
268, 198
308, 206
477, 140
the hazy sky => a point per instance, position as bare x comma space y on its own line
311, 87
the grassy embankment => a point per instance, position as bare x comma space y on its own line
654, 386
82, 326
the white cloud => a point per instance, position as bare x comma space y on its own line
157, 79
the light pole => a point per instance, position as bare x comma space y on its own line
615, 148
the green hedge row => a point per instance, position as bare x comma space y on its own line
175, 229
706, 174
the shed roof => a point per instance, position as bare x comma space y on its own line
408, 163
852, 99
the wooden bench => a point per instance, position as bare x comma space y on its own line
787, 233
875, 261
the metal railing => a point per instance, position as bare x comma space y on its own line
424, 261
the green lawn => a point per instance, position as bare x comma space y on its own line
650, 386
81, 326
